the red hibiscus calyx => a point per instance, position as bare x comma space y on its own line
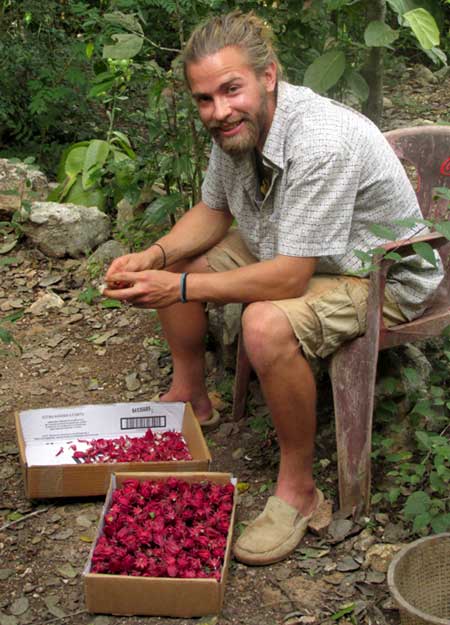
165, 529
151, 447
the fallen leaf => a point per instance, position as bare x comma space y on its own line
8, 619
100, 339
310, 552
8, 245
67, 571
19, 606
51, 602
62, 535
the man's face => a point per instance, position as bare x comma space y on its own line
234, 104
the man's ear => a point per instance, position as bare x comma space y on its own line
270, 77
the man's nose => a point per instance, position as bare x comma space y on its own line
222, 109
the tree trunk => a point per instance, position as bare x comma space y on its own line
373, 69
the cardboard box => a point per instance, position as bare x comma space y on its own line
50, 473
156, 596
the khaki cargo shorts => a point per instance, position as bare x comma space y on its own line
333, 309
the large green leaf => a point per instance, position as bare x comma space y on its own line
379, 34
91, 197
417, 503
59, 193
426, 252
383, 232
75, 160
357, 84
402, 6
324, 72
96, 155
424, 27
158, 210
444, 228
129, 22
126, 47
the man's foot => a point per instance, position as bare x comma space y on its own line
275, 533
207, 416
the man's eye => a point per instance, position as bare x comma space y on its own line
233, 89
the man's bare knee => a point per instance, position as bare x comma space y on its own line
267, 333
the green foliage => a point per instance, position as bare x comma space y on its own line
92, 171
345, 39
43, 78
417, 478
6, 337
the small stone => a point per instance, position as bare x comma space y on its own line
321, 519
45, 303
379, 556
394, 533
238, 453
365, 540
132, 382
5, 573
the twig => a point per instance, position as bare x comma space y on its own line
24, 518
62, 618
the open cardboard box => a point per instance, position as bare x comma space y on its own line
156, 596
42, 433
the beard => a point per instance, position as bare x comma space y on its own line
253, 131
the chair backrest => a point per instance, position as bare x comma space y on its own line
427, 148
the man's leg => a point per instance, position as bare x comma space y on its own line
289, 389
184, 327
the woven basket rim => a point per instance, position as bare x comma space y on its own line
400, 600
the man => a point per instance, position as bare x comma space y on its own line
303, 177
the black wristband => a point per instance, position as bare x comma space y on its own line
183, 288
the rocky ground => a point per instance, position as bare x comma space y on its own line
76, 353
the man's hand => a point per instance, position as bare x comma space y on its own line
139, 261
144, 289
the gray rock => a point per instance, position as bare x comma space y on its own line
425, 75
379, 556
224, 325
28, 182
60, 230
128, 212
45, 303
97, 263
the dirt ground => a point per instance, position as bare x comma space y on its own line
82, 353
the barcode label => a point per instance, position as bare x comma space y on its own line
137, 423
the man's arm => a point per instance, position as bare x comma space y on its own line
197, 231
283, 277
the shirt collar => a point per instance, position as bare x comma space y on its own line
274, 145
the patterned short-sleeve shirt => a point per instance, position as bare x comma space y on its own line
333, 175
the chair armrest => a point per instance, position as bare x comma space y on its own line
377, 279
404, 247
